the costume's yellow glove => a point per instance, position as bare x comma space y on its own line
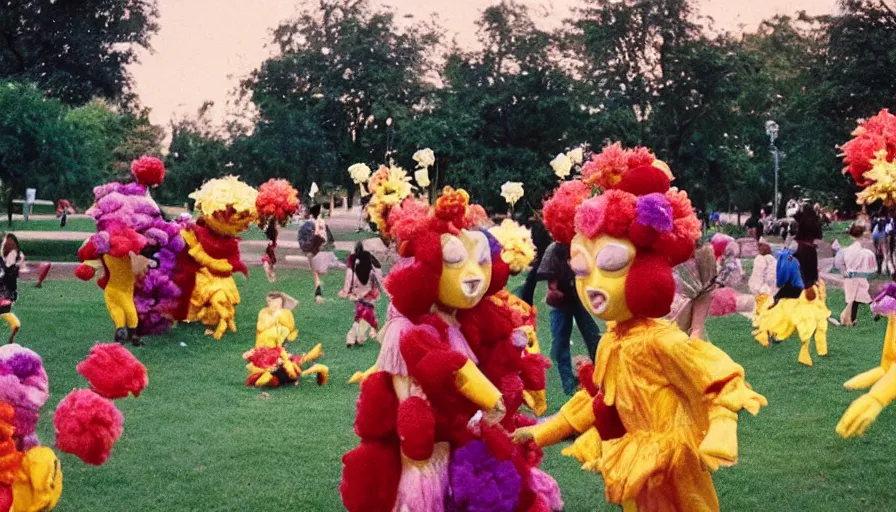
586, 449
38, 483
536, 400
737, 395
859, 416
719, 447
548, 433
472, 384
865, 409
866, 379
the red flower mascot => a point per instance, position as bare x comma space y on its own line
660, 411
433, 427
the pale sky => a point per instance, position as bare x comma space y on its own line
204, 47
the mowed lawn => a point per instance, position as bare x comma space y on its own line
198, 439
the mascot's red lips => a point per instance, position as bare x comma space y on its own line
598, 299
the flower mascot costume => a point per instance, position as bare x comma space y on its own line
276, 203
870, 159
129, 227
425, 443
664, 405
226, 208
269, 364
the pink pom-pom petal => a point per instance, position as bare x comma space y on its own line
87, 426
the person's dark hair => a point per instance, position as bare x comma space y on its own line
10, 243
808, 224
314, 211
856, 230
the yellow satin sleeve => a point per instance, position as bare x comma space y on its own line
471, 383
552, 431
196, 251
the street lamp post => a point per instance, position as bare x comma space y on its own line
771, 129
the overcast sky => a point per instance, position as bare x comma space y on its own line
205, 46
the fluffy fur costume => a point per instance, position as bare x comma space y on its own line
420, 409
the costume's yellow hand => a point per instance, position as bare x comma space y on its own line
496, 414
536, 400
738, 395
471, 383
523, 435
719, 447
859, 416
189, 237
866, 379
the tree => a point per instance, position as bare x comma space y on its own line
503, 112
40, 148
324, 102
75, 50
197, 152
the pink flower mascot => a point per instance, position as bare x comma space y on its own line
432, 425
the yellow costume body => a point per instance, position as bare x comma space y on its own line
275, 327
38, 482
676, 397
808, 318
882, 380
119, 292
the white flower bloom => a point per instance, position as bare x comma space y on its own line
314, 190
512, 191
421, 176
360, 173
424, 158
577, 155
562, 165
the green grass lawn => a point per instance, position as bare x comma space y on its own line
198, 439
73, 224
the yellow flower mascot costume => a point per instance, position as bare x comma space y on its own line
870, 159
434, 427
269, 364
665, 405
226, 208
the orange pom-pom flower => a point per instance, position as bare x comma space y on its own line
277, 200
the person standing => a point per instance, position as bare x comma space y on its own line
855, 263
567, 308
314, 235
542, 239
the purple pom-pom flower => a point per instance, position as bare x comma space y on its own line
482, 483
654, 210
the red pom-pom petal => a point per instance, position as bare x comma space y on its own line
370, 475
642, 236
113, 372
606, 418
643, 180
85, 272
416, 428
649, 287
87, 425
148, 170
377, 407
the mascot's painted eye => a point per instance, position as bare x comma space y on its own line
453, 250
483, 250
578, 261
613, 257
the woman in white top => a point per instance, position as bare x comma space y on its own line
855, 263
763, 279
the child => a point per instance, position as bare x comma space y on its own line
763, 279
313, 236
12, 261
362, 284
855, 263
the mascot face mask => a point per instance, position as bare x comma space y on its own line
466, 269
601, 266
